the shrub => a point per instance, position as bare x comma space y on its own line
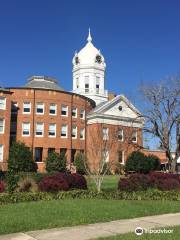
79, 162
56, 162
78, 181
21, 158
12, 181
154, 162
2, 187
138, 162
27, 184
53, 184
138, 182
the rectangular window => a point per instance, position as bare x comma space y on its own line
26, 129
82, 133
106, 155
134, 136
121, 157
97, 84
52, 130
105, 133
52, 109
74, 131
26, 107
120, 135
2, 127
64, 131
39, 129
74, 112
1, 152
82, 114
51, 150
64, 110
86, 87
40, 108
2, 103
77, 82
38, 154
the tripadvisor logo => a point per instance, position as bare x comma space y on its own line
139, 231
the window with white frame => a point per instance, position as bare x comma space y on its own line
26, 107
105, 133
82, 133
74, 131
64, 110
121, 157
106, 155
2, 125
86, 84
1, 152
2, 103
52, 109
64, 128
121, 135
134, 136
74, 112
39, 129
82, 114
97, 84
25, 129
52, 130
77, 82
40, 108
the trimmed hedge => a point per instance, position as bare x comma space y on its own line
152, 194
157, 180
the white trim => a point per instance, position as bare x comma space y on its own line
29, 107
66, 131
42, 108
55, 105
3, 120
122, 130
66, 110
82, 129
42, 129
72, 112
72, 132
26, 135
136, 135
4, 108
2, 148
50, 136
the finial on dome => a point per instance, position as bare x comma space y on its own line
89, 39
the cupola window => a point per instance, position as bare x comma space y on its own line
86, 84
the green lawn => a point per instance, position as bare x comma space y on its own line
110, 182
132, 236
49, 214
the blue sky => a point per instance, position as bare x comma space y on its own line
139, 39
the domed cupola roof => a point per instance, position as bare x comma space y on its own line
89, 55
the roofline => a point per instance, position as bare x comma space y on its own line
49, 89
6, 91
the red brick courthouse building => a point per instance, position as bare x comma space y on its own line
47, 118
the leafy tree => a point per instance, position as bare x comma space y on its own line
21, 158
138, 162
56, 162
79, 163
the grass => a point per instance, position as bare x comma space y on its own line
49, 214
132, 236
110, 182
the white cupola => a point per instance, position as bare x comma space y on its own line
89, 72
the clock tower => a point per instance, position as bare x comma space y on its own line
89, 73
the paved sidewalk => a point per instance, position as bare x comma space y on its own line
93, 231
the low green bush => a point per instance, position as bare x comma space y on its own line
152, 194
56, 162
79, 162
